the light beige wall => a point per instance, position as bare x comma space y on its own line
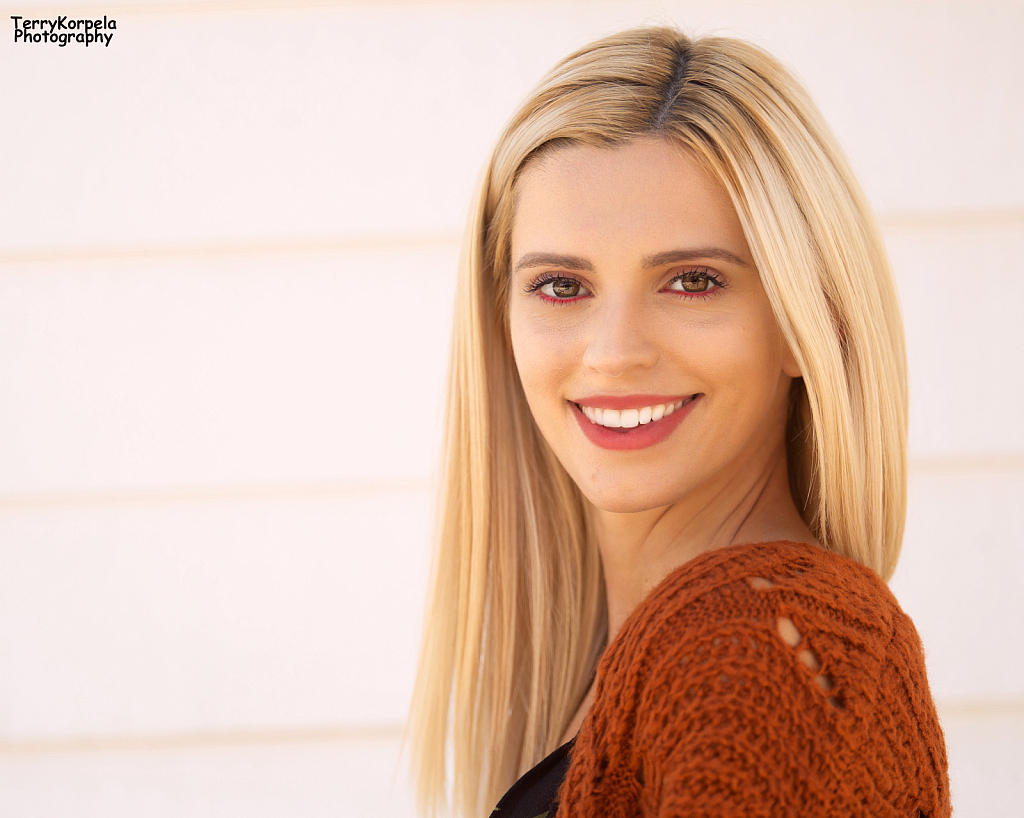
227, 249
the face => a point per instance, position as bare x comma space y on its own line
643, 337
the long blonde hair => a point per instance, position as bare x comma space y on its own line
516, 619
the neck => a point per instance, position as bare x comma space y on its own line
639, 549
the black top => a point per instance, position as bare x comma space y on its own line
534, 795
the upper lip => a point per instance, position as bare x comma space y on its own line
628, 401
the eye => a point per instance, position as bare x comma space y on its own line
559, 289
695, 282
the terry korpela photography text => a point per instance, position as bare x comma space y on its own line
62, 31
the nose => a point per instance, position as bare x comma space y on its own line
619, 339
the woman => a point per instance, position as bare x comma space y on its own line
675, 472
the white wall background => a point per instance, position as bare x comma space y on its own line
227, 253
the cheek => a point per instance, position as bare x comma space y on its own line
538, 356
737, 357
547, 356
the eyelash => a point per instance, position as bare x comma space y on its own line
702, 272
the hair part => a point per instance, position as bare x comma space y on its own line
516, 620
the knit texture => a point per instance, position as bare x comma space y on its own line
774, 679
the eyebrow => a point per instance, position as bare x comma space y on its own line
657, 260
673, 256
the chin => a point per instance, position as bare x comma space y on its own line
624, 499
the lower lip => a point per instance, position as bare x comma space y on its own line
639, 437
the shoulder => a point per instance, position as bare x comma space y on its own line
773, 676
791, 617
785, 619
764, 590
820, 575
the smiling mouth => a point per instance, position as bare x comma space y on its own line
631, 418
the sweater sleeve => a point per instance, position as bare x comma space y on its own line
738, 726
766, 689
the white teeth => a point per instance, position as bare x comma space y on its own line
630, 418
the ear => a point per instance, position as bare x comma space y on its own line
789, 365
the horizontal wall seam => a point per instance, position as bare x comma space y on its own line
351, 488
381, 242
214, 6
911, 221
191, 494
894, 223
1009, 461
388, 732
196, 741
980, 708
91, 10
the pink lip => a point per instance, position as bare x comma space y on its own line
639, 437
627, 401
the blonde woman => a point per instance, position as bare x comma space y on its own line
675, 477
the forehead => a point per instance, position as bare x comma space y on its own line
647, 193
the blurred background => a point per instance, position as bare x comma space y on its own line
227, 257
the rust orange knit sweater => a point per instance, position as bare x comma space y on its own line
774, 679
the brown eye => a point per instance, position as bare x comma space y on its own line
695, 284
563, 288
